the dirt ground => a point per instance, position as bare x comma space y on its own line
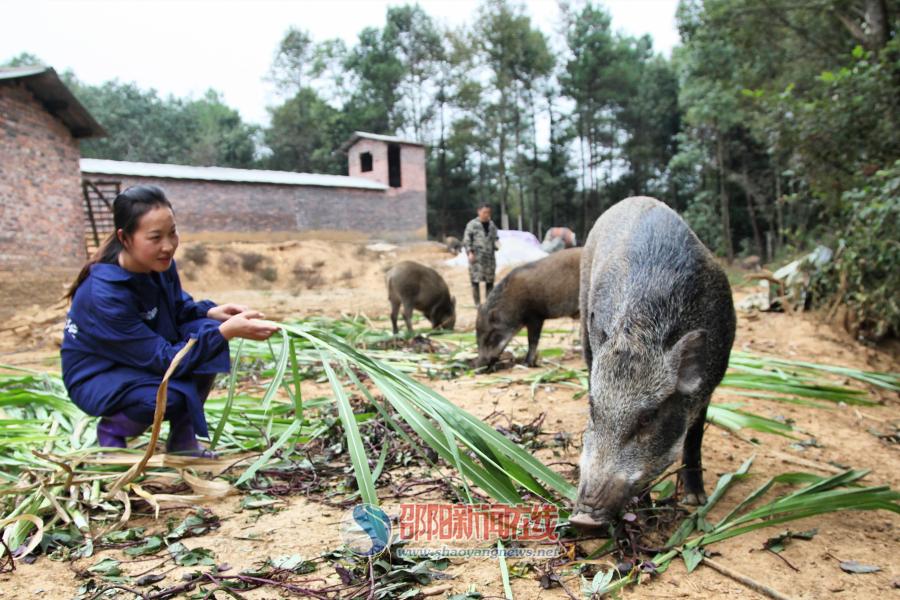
297, 279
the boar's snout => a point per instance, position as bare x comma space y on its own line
485, 360
448, 324
599, 499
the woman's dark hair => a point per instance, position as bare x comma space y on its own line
128, 208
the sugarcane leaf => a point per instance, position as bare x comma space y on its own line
355, 445
288, 433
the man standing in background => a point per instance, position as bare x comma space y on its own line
480, 240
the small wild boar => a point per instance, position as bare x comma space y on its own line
544, 289
418, 287
453, 244
657, 325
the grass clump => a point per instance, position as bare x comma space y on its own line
251, 261
197, 254
229, 262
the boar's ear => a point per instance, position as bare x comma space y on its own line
686, 356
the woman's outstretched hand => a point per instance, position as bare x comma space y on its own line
223, 312
246, 325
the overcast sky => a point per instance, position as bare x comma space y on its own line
185, 47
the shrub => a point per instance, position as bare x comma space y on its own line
197, 254
251, 261
229, 262
865, 273
309, 276
269, 274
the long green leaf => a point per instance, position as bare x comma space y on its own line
263, 460
354, 441
229, 400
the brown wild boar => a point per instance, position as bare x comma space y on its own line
421, 288
530, 294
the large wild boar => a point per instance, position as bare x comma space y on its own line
530, 294
418, 287
657, 325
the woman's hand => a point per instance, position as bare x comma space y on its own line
223, 312
245, 325
471, 257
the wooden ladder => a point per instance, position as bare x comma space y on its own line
98, 212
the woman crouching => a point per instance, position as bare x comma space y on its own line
128, 319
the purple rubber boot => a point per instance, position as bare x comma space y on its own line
112, 430
182, 439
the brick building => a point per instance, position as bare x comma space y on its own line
383, 198
41, 222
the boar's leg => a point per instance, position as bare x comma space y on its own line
407, 316
534, 336
586, 348
476, 293
395, 310
692, 468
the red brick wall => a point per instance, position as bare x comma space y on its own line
412, 165
41, 220
236, 211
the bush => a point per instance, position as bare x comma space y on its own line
865, 274
269, 274
229, 262
309, 276
251, 261
197, 254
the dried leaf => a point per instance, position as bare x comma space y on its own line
851, 566
216, 488
148, 579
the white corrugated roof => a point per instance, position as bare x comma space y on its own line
139, 169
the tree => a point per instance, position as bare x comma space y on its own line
293, 64
414, 38
375, 102
23, 59
516, 55
304, 135
221, 137
140, 125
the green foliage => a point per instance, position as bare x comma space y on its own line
788, 112
865, 273
23, 59
304, 135
143, 127
703, 218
